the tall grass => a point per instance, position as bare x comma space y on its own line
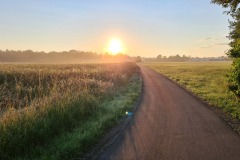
41, 102
208, 80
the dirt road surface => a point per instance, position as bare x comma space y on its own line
171, 124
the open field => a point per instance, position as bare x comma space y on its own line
208, 80
60, 111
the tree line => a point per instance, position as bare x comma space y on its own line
184, 58
72, 56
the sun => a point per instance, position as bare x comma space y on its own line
115, 46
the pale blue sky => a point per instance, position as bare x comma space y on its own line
146, 28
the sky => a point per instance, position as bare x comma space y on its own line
194, 28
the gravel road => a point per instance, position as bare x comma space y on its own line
171, 124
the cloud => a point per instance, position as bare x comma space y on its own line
205, 39
208, 38
221, 44
210, 42
216, 40
214, 45
208, 46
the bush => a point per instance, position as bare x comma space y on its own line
234, 77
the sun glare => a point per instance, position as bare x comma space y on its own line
115, 46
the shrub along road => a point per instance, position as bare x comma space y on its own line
172, 124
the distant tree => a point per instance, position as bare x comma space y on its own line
159, 57
234, 36
138, 59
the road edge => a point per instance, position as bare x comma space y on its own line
116, 132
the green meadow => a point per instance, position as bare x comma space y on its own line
208, 80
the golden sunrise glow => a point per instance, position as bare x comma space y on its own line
115, 46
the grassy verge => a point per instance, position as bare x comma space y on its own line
80, 140
207, 80
71, 118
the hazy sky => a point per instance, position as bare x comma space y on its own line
145, 27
